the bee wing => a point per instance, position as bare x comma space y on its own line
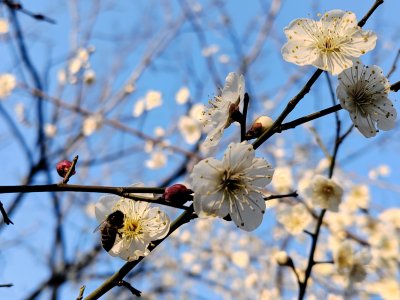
101, 225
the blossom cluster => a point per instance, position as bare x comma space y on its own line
334, 44
233, 188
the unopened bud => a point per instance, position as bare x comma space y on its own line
63, 168
177, 194
283, 259
260, 125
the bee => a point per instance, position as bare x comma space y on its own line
109, 229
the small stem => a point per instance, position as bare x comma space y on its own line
126, 284
271, 197
246, 101
71, 170
5, 216
81, 291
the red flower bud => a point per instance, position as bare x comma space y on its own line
177, 193
63, 168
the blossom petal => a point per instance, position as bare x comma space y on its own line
234, 88
206, 175
212, 205
239, 156
105, 207
248, 217
260, 173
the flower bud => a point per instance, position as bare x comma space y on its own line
63, 168
260, 125
283, 259
177, 194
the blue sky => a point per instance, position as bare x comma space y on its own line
182, 64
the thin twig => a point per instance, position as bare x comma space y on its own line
293, 194
6, 219
244, 117
126, 284
71, 170
18, 6
81, 291
6, 285
394, 65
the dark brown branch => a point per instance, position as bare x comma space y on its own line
126, 192
364, 20
6, 285
290, 106
311, 262
395, 87
308, 118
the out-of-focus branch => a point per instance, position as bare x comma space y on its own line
18, 7
394, 65
110, 122
57, 277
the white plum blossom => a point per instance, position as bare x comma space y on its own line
325, 193
91, 124
330, 44
7, 84
142, 225
157, 160
350, 263
363, 92
153, 99
190, 129
218, 116
182, 96
4, 26
232, 186
294, 218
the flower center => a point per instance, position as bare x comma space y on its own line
328, 190
131, 228
231, 182
328, 44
